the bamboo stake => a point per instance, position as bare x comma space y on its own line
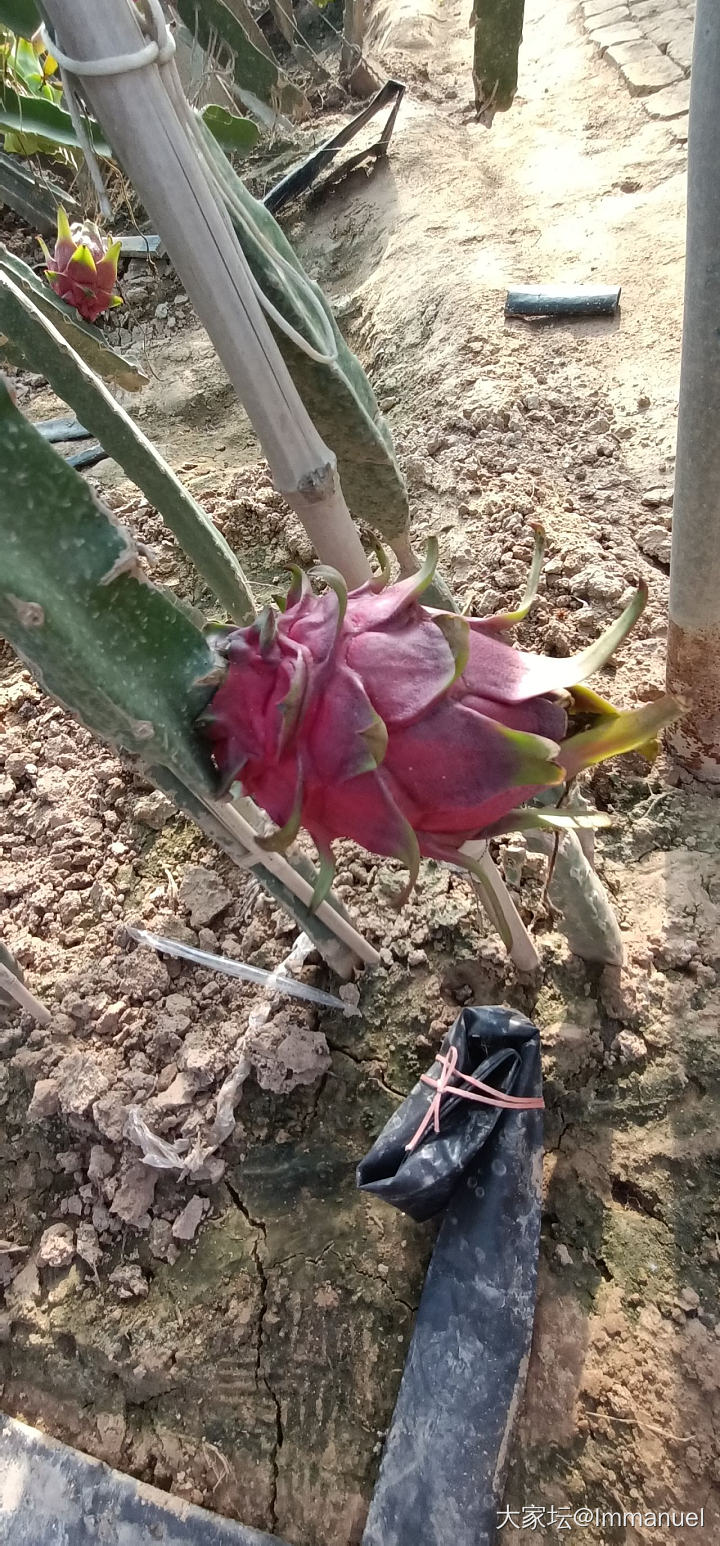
11, 985
521, 948
284, 19
143, 113
354, 69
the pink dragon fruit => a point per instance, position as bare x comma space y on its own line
410, 730
83, 268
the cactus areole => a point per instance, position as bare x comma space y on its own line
412, 731
83, 268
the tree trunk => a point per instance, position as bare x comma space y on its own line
693, 668
282, 15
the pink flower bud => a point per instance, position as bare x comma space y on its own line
83, 268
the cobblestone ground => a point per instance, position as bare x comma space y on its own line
650, 43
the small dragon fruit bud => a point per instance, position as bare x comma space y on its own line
83, 268
412, 731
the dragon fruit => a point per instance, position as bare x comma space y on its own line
410, 730
83, 268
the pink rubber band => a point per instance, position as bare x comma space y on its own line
486, 1095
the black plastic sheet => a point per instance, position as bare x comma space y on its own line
443, 1467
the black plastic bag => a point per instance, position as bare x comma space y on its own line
443, 1467
487, 1044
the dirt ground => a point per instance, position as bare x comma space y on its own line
238, 1336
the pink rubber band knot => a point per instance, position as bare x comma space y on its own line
470, 1089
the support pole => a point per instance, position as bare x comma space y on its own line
693, 664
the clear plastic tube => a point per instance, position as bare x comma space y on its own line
230, 968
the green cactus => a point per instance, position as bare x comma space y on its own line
117, 651
41, 343
21, 16
76, 606
498, 34
35, 202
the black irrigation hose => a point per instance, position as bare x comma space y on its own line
562, 301
62, 432
81, 460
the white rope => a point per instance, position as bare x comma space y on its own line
157, 50
117, 64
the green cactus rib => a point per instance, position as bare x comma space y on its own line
254, 72
77, 385
87, 340
234, 133
116, 650
36, 202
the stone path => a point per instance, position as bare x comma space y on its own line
650, 43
